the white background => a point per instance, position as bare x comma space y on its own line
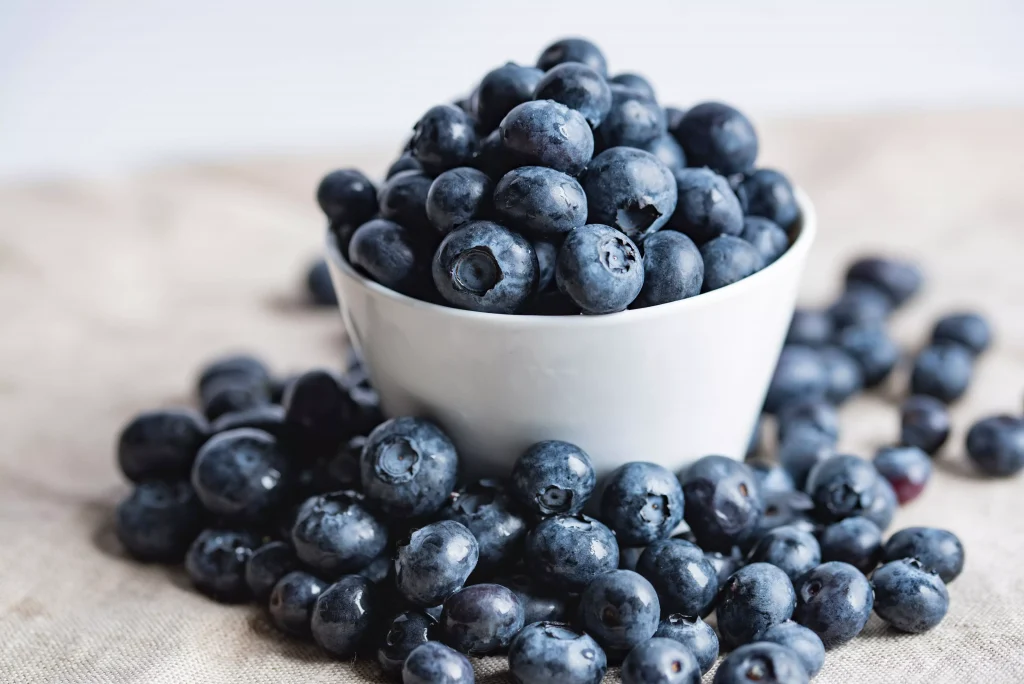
94, 86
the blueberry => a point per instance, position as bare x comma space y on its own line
856, 540
799, 375
884, 505
924, 423
161, 444
503, 89
405, 162
550, 652
547, 255
674, 115
343, 616
943, 371
845, 377
810, 327
158, 520
707, 207
769, 194
540, 201
241, 367
380, 569
833, 601
481, 619
811, 413
802, 641
660, 661
317, 411
444, 138
600, 269
216, 563
770, 241
717, 136
269, 418
782, 509
408, 467
406, 631
571, 50
268, 564
728, 260
723, 504
631, 190
765, 662
633, 120
996, 445
620, 609
694, 634
908, 597
724, 565
241, 474
538, 605
435, 562
553, 477
458, 196
347, 197
907, 468
568, 551
792, 550
898, 280
842, 486
319, 286
938, 551
489, 512
546, 133
970, 330
629, 556
804, 447
642, 502
872, 349
771, 478
390, 254
667, 150
494, 159
578, 87
435, 663
673, 269
231, 393
291, 602
756, 597
684, 579
484, 266
334, 534
860, 305
365, 408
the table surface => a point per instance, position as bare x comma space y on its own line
115, 291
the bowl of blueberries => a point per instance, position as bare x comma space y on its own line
559, 256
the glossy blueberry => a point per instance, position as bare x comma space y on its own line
873, 349
768, 193
943, 371
291, 602
909, 597
810, 327
481, 619
842, 486
540, 201
660, 661
723, 504
344, 616
390, 254
896, 279
694, 634
684, 579
833, 601
334, 534
884, 505
793, 550
242, 475
633, 120
642, 502
408, 467
319, 286
159, 520
907, 469
547, 255
484, 266
767, 237
538, 605
719, 137
161, 444
809, 413
970, 330
435, 663
938, 551
489, 512
620, 609
856, 540
216, 563
435, 562
550, 652
996, 445
630, 190
403, 199
553, 477
600, 269
406, 631
725, 564
673, 269
444, 138
924, 423
503, 89
494, 159
728, 260
763, 662
347, 197
578, 87
805, 643
568, 551
267, 565
845, 377
860, 305
546, 133
568, 50
405, 162
756, 597
458, 196
799, 377
269, 418
707, 206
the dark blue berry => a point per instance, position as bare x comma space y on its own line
158, 520
684, 579
344, 616
757, 597
769, 193
805, 643
811, 413
673, 269
161, 444
633, 120
723, 504
728, 260
694, 634
996, 445
578, 87
620, 609
845, 377
907, 468
873, 349
569, 50
642, 502
938, 551
232, 393
435, 663
546, 133
717, 136
860, 305
334, 534
833, 601
804, 447
898, 280
435, 562
630, 190
763, 662
799, 376
540, 201
781, 509
793, 550
347, 197
269, 418
970, 330
547, 255
538, 605
667, 150
810, 327
318, 410
216, 563
403, 199
568, 551
629, 556
406, 631
883, 507
291, 602
444, 138
856, 540
240, 367
842, 486
319, 285
660, 661
909, 597
942, 370
481, 619
242, 475
724, 563
553, 477
458, 196
707, 206
634, 82
503, 89
674, 116
550, 652
770, 241
405, 162
924, 423
494, 159
600, 269
488, 511
390, 254
267, 565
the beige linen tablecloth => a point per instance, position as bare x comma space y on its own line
112, 293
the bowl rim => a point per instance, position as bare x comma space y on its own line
802, 243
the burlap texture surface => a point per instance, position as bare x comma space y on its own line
112, 293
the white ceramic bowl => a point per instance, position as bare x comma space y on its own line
666, 384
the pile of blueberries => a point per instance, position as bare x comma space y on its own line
558, 190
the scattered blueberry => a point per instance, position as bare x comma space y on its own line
924, 423
578, 87
707, 207
390, 254
969, 330
860, 305
319, 285
600, 269
942, 370
756, 597
808, 413
242, 475
728, 260
799, 375
897, 280
633, 120
792, 550
810, 327
291, 602
161, 444
833, 601
444, 138
764, 662
488, 511
231, 393
770, 241
694, 634
783, 509
403, 199
996, 445
407, 630
768, 193
435, 663
458, 196
684, 579
907, 468
347, 197
908, 597
553, 477
723, 504
334, 534
845, 377
660, 661
158, 520
938, 551
540, 201
842, 486
267, 565
630, 190
269, 418
502, 90
805, 643
620, 609
344, 616
873, 349
216, 563
569, 50
719, 137
673, 269
642, 502
568, 551
435, 562
883, 507
546, 133
481, 619
317, 411
550, 652
804, 447
856, 540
